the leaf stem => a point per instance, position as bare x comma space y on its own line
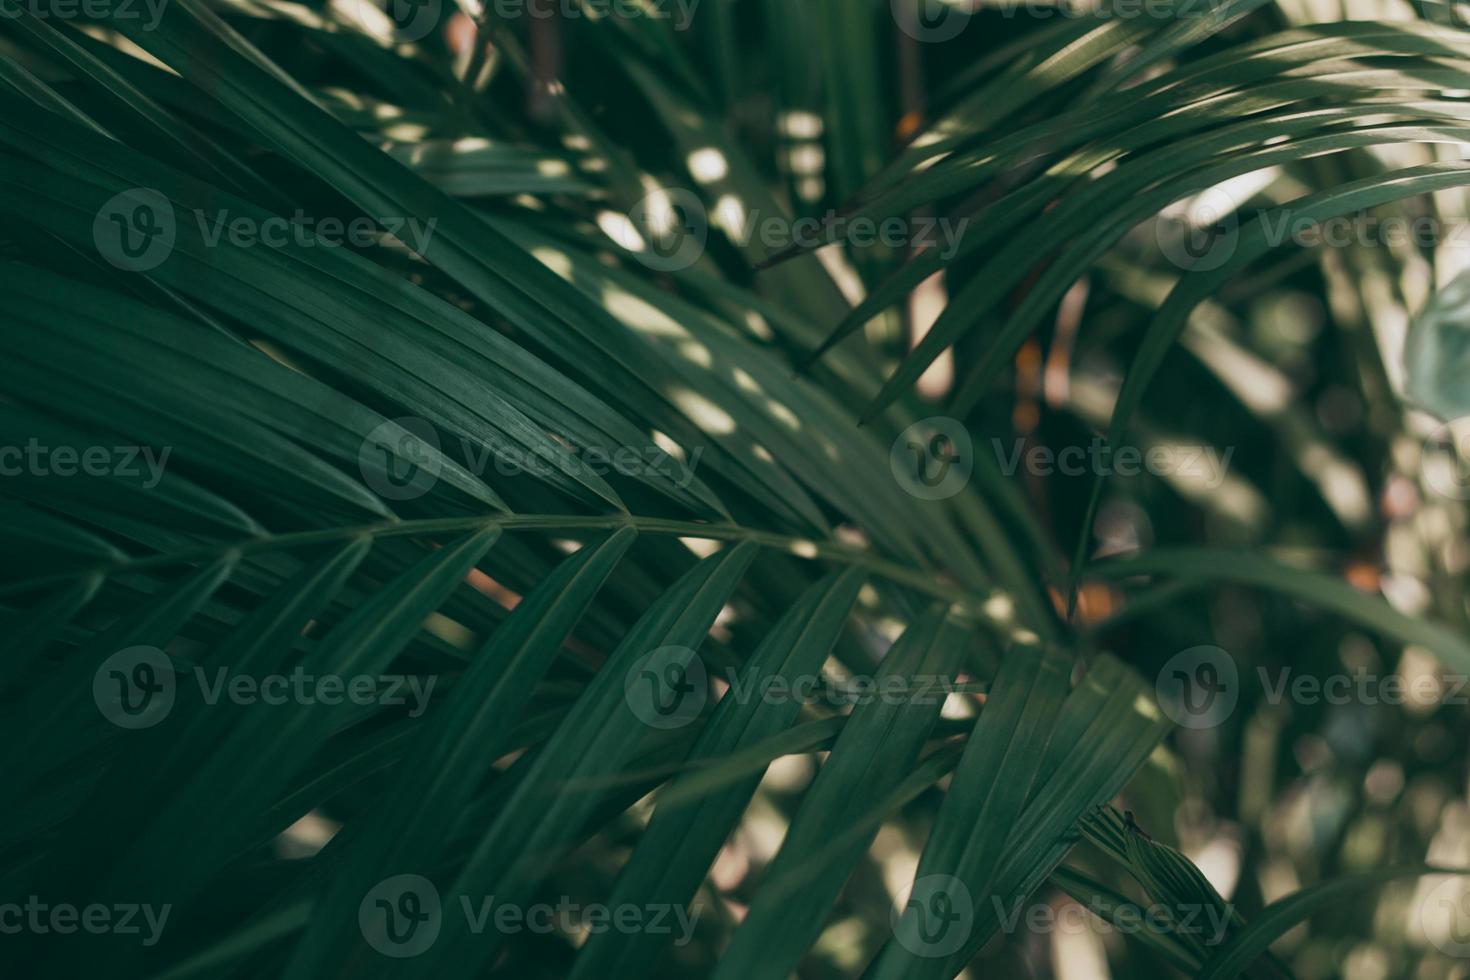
922, 580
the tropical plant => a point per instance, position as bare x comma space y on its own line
582, 489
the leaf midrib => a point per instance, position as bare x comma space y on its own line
918, 578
